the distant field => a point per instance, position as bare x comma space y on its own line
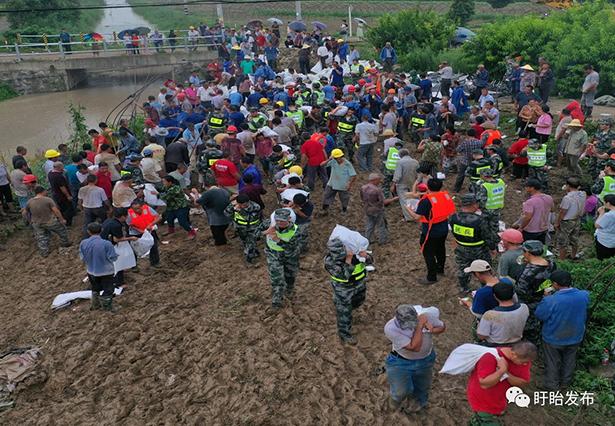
329, 12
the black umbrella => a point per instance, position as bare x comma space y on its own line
121, 34
297, 26
142, 30
253, 25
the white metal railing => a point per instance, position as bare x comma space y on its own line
146, 46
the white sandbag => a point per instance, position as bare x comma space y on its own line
464, 358
63, 300
143, 245
317, 68
353, 240
125, 257
151, 196
289, 194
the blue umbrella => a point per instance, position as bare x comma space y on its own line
297, 26
319, 25
122, 33
462, 35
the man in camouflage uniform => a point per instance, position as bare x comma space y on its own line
346, 136
602, 143
206, 160
537, 163
282, 251
134, 168
490, 193
478, 164
247, 217
474, 239
348, 276
605, 184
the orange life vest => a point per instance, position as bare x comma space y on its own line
141, 221
493, 134
442, 206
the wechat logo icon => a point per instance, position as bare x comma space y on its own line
515, 395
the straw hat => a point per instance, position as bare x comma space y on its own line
575, 123
527, 67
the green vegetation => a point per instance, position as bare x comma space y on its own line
7, 92
79, 130
418, 36
461, 11
568, 39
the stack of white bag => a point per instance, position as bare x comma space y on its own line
464, 358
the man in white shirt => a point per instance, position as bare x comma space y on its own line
152, 172
484, 97
446, 78
94, 202
323, 55
368, 135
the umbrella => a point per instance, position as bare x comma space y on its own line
319, 25
275, 21
142, 30
361, 21
121, 34
93, 36
462, 35
254, 24
297, 26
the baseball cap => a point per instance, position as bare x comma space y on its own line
406, 316
231, 129
534, 247
512, 236
478, 266
147, 152
561, 277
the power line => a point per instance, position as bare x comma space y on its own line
134, 6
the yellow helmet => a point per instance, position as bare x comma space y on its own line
337, 153
52, 153
263, 101
296, 169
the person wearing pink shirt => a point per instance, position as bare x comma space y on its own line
544, 125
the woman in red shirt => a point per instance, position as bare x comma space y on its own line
517, 153
492, 377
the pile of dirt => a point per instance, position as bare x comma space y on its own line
193, 343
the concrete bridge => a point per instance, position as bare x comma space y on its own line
54, 73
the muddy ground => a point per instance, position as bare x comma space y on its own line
193, 343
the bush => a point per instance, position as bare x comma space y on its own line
7, 92
568, 40
461, 11
414, 34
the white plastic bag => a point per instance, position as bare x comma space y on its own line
151, 196
125, 257
143, 245
353, 241
464, 358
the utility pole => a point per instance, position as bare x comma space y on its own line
350, 21
220, 13
298, 10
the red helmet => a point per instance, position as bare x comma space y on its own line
29, 179
351, 89
362, 82
231, 129
181, 96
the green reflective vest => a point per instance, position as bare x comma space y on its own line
609, 187
243, 221
319, 97
537, 157
285, 236
495, 194
392, 159
355, 69
297, 117
345, 126
215, 122
357, 275
417, 122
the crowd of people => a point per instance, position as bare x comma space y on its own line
239, 130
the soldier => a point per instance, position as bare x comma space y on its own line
345, 133
390, 163
247, 217
605, 185
256, 120
134, 168
478, 164
296, 115
537, 162
211, 154
318, 96
601, 143
282, 251
490, 193
348, 276
497, 164
474, 239
418, 119
216, 123
45, 219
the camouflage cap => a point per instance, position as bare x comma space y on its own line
611, 164
406, 316
486, 172
468, 199
534, 247
336, 248
282, 214
606, 120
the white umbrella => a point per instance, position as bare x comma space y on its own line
275, 21
361, 21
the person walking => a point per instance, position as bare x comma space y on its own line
568, 222
282, 252
178, 206
433, 212
563, 315
374, 202
45, 217
60, 192
576, 144
348, 277
141, 218
98, 255
214, 200
404, 177
490, 194
409, 365
367, 134
247, 217
340, 181
466, 149
94, 202
474, 239
312, 156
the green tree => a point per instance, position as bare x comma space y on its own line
51, 19
461, 11
79, 130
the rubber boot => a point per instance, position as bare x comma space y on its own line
107, 303
95, 301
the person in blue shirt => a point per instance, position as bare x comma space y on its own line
330, 144
459, 99
66, 40
99, 255
515, 80
343, 50
235, 98
253, 99
388, 57
264, 71
128, 143
236, 118
71, 176
247, 164
481, 80
329, 91
337, 75
271, 53
426, 86
281, 96
563, 315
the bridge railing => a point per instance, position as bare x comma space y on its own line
21, 51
